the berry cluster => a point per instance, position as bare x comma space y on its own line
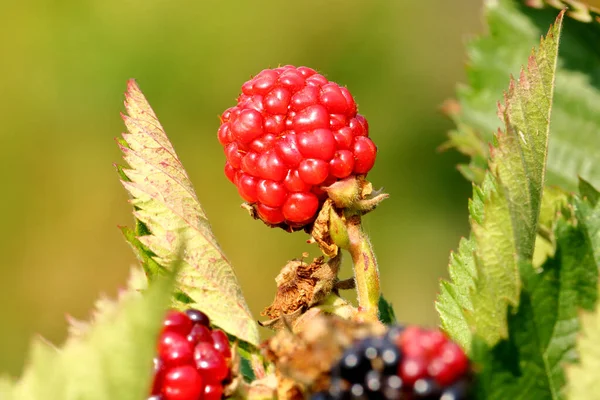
291, 133
405, 364
193, 361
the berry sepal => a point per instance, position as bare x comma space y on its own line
339, 226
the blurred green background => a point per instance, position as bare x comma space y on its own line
63, 70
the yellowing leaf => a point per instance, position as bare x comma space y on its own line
167, 206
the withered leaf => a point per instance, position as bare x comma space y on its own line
301, 285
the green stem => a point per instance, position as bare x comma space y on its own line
366, 272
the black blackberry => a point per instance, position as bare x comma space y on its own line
363, 369
404, 364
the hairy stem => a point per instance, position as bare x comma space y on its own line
366, 272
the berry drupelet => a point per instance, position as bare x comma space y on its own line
405, 364
193, 360
291, 133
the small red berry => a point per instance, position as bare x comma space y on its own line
278, 100
271, 193
342, 164
182, 383
249, 164
231, 173
293, 131
319, 143
199, 333
313, 171
270, 215
174, 349
364, 154
159, 375
210, 363
212, 392
453, 364
178, 322
221, 343
311, 118
343, 138
287, 149
412, 369
247, 126
333, 99
433, 341
300, 207
247, 187
271, 166
293, 182
305, 97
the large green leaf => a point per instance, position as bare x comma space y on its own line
168, 213
109, 359
513, 30
543, 331
505, 208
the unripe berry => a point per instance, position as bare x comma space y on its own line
292, 133
193, 362
182, 383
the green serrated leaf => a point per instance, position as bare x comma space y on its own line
143, 254
588, 192
513, 30
505, 208
109, 359
588, 214
166, 205
454, 301
386, 312
529, 364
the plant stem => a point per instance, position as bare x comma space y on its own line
366, 272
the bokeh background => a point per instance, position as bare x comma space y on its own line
63, 70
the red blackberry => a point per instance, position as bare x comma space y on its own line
405, 364
291, 133
429, 354
192, 360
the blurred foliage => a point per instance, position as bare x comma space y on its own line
63, 71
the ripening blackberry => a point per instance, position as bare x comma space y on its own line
193, 361
291, 133
405, 364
